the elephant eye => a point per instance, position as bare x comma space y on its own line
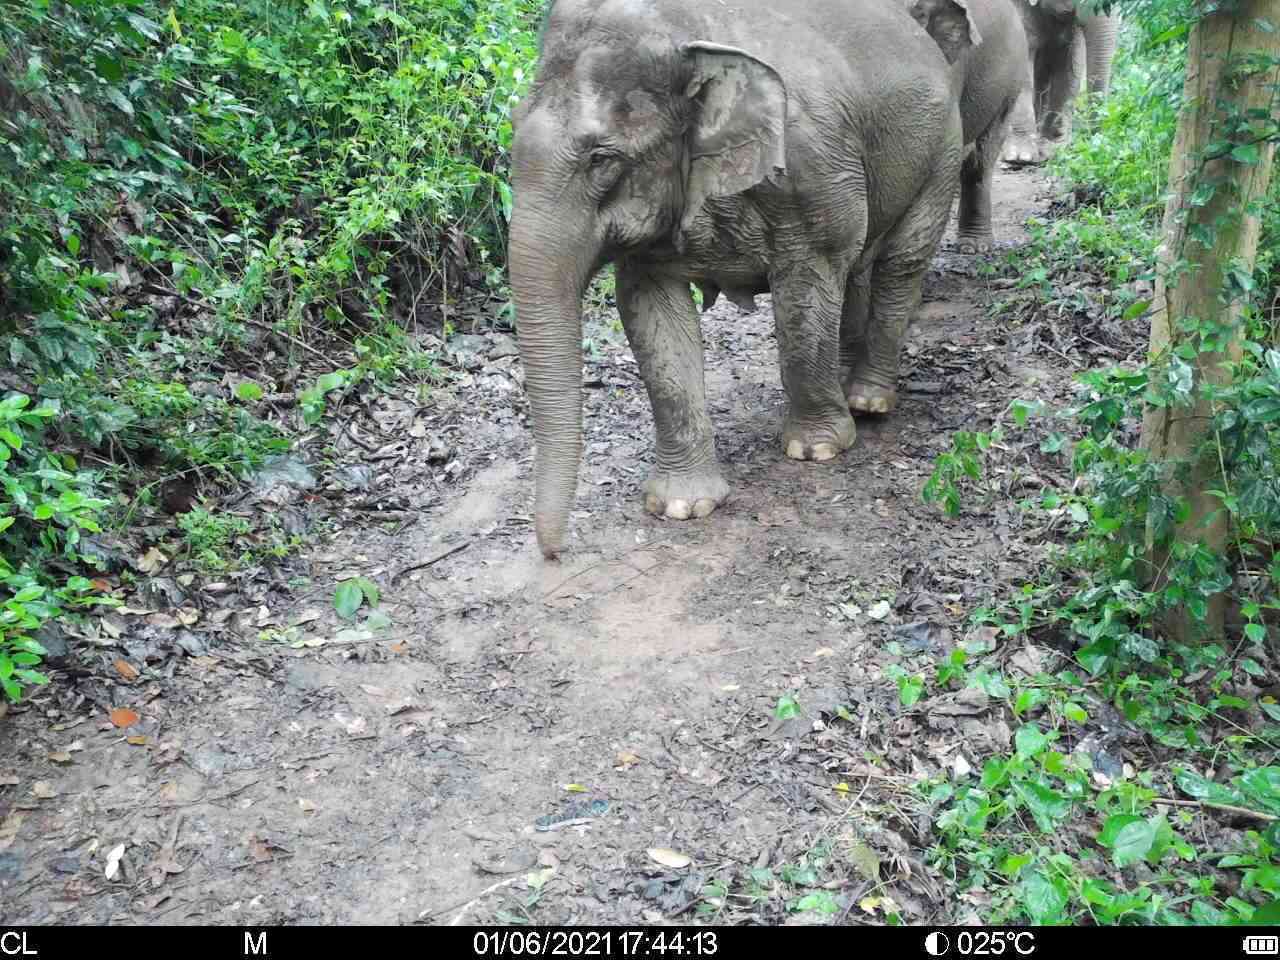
599, 158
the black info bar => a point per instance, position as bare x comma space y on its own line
311, 942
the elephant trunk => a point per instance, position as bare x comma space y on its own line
549, 275
1101, 34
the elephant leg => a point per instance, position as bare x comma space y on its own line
662, 326
1062, 88
973, 231
1020, 147
896, 281
1100, 35
853, 321
808, 297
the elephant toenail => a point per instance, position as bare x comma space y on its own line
795, 450
654, 504
704, 508
679, 510
825, 451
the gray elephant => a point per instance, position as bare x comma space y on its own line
1066, 41
753, 146
992, 76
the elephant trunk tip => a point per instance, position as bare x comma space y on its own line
551, 537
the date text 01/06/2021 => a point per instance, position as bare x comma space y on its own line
595, 943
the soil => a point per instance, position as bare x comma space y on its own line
680, 722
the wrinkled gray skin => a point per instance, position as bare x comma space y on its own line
749, 146
1066, 41
992, 76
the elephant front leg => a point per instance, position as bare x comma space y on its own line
1020, 147
662, 326
1062, 87
807, 302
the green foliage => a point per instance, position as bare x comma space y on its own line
253, 163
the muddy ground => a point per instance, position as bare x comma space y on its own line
528, 741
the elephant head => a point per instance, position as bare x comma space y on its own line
949, 22
618, 146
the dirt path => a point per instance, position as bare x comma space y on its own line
397, 775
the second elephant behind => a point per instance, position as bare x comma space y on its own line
1065, 40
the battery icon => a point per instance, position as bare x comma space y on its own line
1262, 946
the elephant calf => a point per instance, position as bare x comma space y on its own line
799, 147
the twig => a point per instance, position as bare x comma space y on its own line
333, 364
1210, 805
467, 905
434, 560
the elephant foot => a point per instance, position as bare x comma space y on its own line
869, 398
680, 496
1020, 152
973, 243
806, 440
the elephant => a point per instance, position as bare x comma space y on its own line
1066, 40
758, 146
992, 76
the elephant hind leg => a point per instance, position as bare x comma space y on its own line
974, 228
808, 300
897, 278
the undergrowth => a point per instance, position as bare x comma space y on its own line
178, 181
1069, 828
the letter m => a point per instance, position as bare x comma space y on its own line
258, 949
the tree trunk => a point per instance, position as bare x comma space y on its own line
1180, 437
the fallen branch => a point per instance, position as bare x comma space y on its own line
434, 560
1210, 805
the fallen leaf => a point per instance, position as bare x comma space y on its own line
137, 741
169, 792
99, 585
842, 787
731, 687
124, 717
961, 766
865, 861
259, 851
60, 757
8, 780
575, 788
152, 560
187, 579
43, 789
113, 860
126, 669
164, 621
74, 746
669, 858
306, 806
626, 761
111, 627
307, 616
188, 617
373, 691
823, 652
399, 648
879, 610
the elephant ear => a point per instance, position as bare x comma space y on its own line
950, 24
737, 138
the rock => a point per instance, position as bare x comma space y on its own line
161, 593
54, 640
357, 476
283, 479
105, 558
504, 346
